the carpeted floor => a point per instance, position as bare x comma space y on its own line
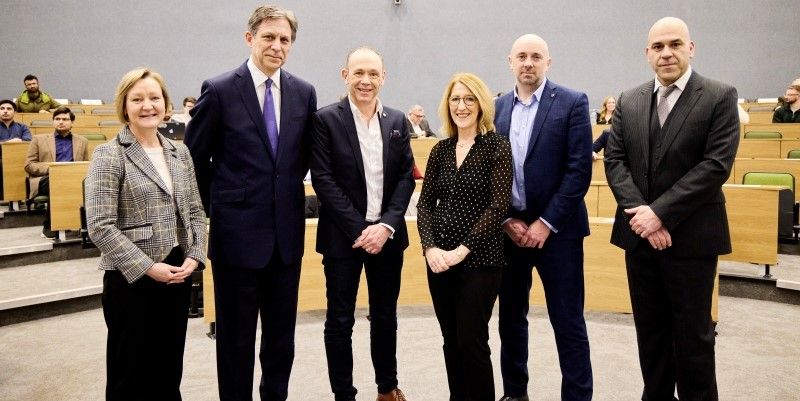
758, 357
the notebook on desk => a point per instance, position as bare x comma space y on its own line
172, 130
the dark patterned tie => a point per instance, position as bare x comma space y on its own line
663, 105
269, 117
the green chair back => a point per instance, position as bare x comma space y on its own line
763, 135
763, 178
793, 154
94, 137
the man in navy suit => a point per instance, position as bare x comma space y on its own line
551, 141
361, 171
250, 139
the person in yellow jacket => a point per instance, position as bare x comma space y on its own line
33, 100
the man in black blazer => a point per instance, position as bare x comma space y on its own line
361, 171
250, 140
671, 149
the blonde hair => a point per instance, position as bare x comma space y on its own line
481, 93
127, 82
603, 109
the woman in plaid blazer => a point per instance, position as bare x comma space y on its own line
144, 213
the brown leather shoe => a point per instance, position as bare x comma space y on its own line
394, 395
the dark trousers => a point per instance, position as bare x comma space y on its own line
241, 295
44, 190
560, 267
671, 300
146, 324
383, 284
463, 300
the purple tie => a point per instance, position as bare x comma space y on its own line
269, 117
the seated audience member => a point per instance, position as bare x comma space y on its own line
60, 146
33, 100
184, 117
600, 143
607, 110
10, 130
168, 114
789, 112
417, 125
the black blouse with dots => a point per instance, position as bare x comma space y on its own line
466, 205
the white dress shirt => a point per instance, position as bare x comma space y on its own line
371, 144
259, 81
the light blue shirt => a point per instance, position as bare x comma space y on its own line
522, 117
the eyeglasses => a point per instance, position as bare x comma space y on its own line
791, 94
468, 100
418, 115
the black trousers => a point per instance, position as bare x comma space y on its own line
241, 296
146, 324
44, 190
383, 284
671, 298
463, 300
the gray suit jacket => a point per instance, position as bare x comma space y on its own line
422, 125
42, 152
131, 216
692, 161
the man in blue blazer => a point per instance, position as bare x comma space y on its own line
250, 141
551, 141
361, 171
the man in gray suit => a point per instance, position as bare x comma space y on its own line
417, 124
671, 149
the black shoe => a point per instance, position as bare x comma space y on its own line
521, 398
49, 234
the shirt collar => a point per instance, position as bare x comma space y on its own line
357, 112
68, 136
680, 83
536, 95
259, 77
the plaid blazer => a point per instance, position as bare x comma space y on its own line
130, 215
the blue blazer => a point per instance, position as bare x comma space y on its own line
255, 198
558, 165
337, 173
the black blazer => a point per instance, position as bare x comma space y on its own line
337, 174
467, 205
693, 160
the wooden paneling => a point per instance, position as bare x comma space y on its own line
598, 170
789, 131
66, 194
792, 166
14, 154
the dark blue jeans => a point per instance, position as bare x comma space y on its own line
383, 283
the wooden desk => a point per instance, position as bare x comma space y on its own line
761, 117
792, 166
789, 131
766, 148
66, 194
81, 120
747, 105
598, 129
598, 170
14, 155
421, 147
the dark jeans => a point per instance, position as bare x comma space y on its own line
146, 324
463, 300
560, 266
671, 299
241, 295
44, 190
383, 284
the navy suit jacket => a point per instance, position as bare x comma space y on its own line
255, 198
558, 165
337, 173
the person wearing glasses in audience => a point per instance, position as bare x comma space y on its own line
607, 110
417, 124
789, 112
185, 117
144, 213
465, 196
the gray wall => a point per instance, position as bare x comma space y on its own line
80, 49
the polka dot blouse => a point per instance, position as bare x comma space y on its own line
466, 205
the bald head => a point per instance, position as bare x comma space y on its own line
669, 49
529, 60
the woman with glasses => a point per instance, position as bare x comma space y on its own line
465, 195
